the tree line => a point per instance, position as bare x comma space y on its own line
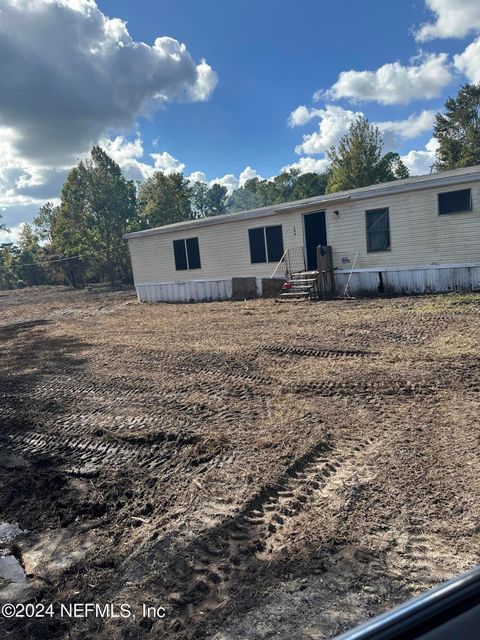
80, 240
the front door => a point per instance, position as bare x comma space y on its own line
315, 234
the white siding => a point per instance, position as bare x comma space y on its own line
419, 237
224, 251
185, 291
404, 281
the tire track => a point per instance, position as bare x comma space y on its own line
318, 353
80, 445
370, 389
217, 561
82, 450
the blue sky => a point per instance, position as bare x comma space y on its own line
270, 57
237, 100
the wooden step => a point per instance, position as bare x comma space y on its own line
312, 274
284, 294
300, 287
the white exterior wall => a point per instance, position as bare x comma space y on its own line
420, 237
418, 234
224, 251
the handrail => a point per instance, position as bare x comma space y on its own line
279, 263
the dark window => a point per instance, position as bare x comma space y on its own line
274, 243
266, 244
455, 201
187, 254
257, 245
193, 253
378, 230
180, 254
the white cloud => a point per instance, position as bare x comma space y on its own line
468, 62
197, 176
302, 115
421, 162
127, 154
412, 127
85, 74
122, 150
167, 163
12, 234
82, 76
454, 19
334, 123
229, 180
394, 83
206, 82
308, 165
248, 174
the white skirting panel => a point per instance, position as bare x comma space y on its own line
194, 291
409, 280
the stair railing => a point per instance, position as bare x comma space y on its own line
295, 260
280, 262
292, 261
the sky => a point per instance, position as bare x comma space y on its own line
221, 90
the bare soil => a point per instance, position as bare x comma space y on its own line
259, 470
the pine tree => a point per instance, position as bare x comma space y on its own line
358, 161
458, 130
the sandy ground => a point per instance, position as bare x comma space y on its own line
258, 470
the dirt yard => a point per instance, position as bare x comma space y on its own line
259, 470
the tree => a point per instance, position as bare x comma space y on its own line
164, 199
9, 276
457, 131
391, 167
242, 199
287, 186
309, 185
44, 220
358, 161
216, 200
97, 206
282, 187
208, 201
29, 261
199, 199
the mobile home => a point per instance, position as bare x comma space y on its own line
415, 235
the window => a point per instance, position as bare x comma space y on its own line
187, 254
378, 230
455, 201
266, 244
257, 245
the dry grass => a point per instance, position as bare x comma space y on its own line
170, 438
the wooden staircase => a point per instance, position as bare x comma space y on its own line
302, 285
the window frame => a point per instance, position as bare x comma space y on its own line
251, 232
368, 231
186, 253
452, 213
266, 251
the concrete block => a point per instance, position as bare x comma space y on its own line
271, 287
244, 288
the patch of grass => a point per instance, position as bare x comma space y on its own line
448, 302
